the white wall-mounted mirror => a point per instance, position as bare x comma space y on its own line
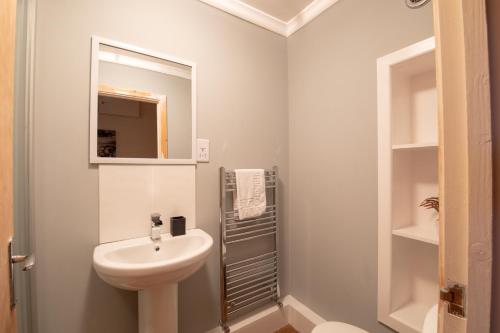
142, 106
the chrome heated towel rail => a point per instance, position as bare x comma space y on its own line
249, 257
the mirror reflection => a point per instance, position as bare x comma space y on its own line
144, 106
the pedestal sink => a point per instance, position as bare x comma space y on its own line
153, 268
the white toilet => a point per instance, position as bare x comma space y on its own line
431, 321
337, 327
430, 325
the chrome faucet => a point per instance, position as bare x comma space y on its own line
156, 224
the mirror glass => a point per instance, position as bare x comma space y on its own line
144, 107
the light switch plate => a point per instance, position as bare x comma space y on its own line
203, 150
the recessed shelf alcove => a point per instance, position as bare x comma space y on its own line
408, 174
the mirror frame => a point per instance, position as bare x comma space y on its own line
94, 86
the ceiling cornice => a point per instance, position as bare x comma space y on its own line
313, 10
250, 14
269, 22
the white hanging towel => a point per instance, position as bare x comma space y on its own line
250, 194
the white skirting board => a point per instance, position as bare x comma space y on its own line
273, 318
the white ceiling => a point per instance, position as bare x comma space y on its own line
284, 10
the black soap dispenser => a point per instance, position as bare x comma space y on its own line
177, 225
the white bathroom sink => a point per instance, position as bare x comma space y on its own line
142, 263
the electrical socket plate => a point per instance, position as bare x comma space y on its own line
203, 150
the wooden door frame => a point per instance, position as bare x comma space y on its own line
465, 158
7, 47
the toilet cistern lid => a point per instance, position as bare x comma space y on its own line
337, 327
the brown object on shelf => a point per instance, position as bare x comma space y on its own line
431, 202
287, 329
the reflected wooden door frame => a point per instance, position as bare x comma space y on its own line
145, 97
162, 111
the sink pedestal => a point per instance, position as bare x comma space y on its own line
158, 309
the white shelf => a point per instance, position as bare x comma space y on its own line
415, 146
427, 232
412, 315
408, 173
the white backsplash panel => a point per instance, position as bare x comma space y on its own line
129, 194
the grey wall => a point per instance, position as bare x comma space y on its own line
329, 133
493, 10
333, 153
242, 109
177, 90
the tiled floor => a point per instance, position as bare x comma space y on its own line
287, 329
